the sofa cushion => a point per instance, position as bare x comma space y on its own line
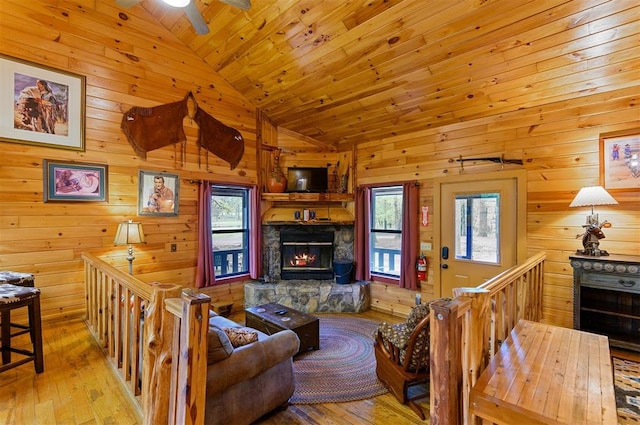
241, 336
219, 345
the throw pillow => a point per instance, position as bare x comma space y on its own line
218, 345
241, 336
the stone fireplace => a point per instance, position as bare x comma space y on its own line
307, 286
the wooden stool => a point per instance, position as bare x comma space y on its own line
12, 297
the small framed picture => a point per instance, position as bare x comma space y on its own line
41, 106
620, 160
75, 181
157, 193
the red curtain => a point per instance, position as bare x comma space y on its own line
255, 233
205, 275
409, 244
361, 244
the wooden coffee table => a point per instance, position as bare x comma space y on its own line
273, 317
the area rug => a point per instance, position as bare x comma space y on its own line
343, 369
627, 385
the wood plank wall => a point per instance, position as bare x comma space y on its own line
559, 144
127, 62
146, 66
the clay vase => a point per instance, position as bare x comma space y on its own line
276, 184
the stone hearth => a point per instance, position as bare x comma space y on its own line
310, 296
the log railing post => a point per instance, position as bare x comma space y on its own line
158, 356
190, 365
444, 363
473, 344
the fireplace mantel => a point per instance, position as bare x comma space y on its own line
325, 215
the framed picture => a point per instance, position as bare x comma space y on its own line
157, 193
620, 160
75, 181
40, 105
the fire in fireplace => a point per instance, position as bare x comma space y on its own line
306, 254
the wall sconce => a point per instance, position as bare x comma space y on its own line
591, 196
129, 233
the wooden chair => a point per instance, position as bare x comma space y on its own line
402, 357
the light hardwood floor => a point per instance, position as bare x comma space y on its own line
78, 386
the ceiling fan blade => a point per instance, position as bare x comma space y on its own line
242, 4
127, 3
192, 12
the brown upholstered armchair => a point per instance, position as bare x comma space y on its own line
402, 356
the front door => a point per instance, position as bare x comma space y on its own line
480, 227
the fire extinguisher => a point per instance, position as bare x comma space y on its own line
421, 267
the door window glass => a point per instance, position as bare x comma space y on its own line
477, 227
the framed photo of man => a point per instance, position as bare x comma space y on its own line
158, 193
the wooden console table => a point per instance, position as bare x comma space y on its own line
606, 297
546, 374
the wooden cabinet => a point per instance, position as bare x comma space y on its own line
606, 297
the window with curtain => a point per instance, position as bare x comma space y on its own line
230, 230
385, 233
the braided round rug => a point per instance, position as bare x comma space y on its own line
343, 369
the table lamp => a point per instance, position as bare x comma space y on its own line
129, 233
592, 196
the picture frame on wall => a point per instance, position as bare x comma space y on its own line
40, 105
75, 181
620, 160
158, 193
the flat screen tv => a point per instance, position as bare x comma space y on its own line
307, 179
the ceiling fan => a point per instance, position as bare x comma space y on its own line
191, 10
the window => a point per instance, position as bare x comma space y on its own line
230, 230
477, 229
386, 231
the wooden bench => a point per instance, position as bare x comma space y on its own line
546, 374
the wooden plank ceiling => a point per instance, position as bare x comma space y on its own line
345, 72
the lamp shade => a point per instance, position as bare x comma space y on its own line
129, 233
177, 3
592, 195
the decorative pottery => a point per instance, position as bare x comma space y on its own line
276, 181
275, 185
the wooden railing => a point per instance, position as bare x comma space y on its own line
467, 331
155, 337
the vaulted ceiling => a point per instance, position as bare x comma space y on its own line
346, 72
